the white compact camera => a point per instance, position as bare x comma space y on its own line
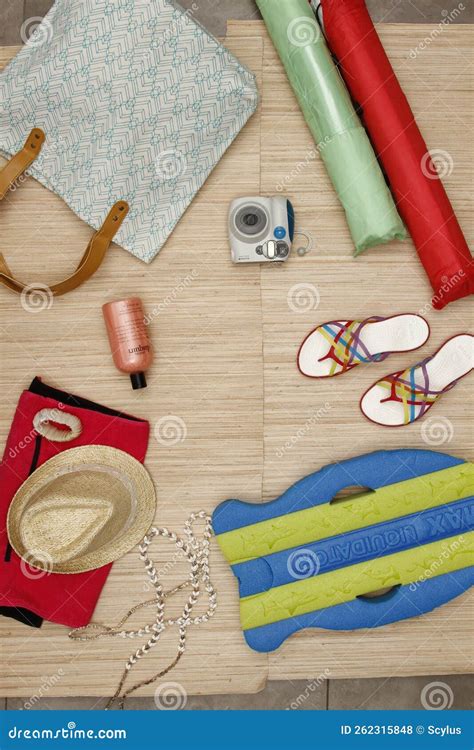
261, 229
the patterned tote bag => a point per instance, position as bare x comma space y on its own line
127, 106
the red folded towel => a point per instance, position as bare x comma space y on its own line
27, 594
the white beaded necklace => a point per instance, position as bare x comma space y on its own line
197, 553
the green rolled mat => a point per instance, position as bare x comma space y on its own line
327, 108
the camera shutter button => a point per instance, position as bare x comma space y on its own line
280, 233
271, 249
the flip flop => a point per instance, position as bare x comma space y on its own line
405, 396
340, 345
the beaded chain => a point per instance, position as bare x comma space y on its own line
197, 553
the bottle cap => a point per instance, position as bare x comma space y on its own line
138, 380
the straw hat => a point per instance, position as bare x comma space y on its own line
81, 509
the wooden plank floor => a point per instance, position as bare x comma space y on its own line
207, 330
311, 423
226, 348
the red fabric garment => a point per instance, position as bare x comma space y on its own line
27, 594
386, 113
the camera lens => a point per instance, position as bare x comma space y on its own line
251, 220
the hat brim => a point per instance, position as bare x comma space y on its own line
113, 549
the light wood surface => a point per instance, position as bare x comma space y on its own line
321, 421
207, 331
226, 340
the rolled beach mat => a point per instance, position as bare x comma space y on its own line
411, 169
327, 108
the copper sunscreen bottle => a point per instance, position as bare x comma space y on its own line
128, 337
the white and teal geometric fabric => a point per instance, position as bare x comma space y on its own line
138, 103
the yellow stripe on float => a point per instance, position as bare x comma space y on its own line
323, 521
329, 589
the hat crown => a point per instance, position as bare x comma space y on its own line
61, 531
81, 510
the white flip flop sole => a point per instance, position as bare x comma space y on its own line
400, 333
451, 362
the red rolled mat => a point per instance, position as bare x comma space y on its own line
419, 193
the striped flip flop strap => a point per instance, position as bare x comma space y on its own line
346, 347
405, 388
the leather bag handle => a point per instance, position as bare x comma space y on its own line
97, 247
